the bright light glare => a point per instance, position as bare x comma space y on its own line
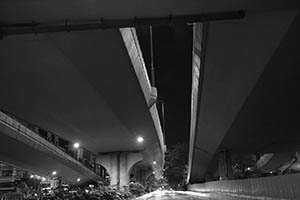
54, 173
31, 176
78, 179
140, 139
76, 145
154, 162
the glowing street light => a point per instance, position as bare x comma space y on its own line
78, 179
76, 145
31, 176
140, 139
54, 173
154, 162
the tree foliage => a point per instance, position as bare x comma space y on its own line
153, 184
176, 165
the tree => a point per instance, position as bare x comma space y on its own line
243, 165
176, 165
153, 184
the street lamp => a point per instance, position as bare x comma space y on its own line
54, 173
76, 145
140, 139
154, 162
78, 179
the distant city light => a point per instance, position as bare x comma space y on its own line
248, 168
31, 176
76, 145
154, 162
78, 179
140, 139
54, 173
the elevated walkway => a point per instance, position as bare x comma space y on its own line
24, 148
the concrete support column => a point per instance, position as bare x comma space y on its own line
113, 170
118, 165
124, 175
225, 170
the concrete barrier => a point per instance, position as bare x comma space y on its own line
273, 187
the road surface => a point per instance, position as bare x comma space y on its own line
188, 195
176, 195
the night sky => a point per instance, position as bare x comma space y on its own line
173, 72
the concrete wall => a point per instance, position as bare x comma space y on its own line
284, 186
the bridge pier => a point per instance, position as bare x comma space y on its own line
225, 170
118, 166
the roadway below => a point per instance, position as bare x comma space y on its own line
189, 195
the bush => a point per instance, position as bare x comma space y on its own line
98, 193
136, 189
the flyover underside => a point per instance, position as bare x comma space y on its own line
86, 87
247, 77
25, 149
77, 83
73, 84
268, 121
